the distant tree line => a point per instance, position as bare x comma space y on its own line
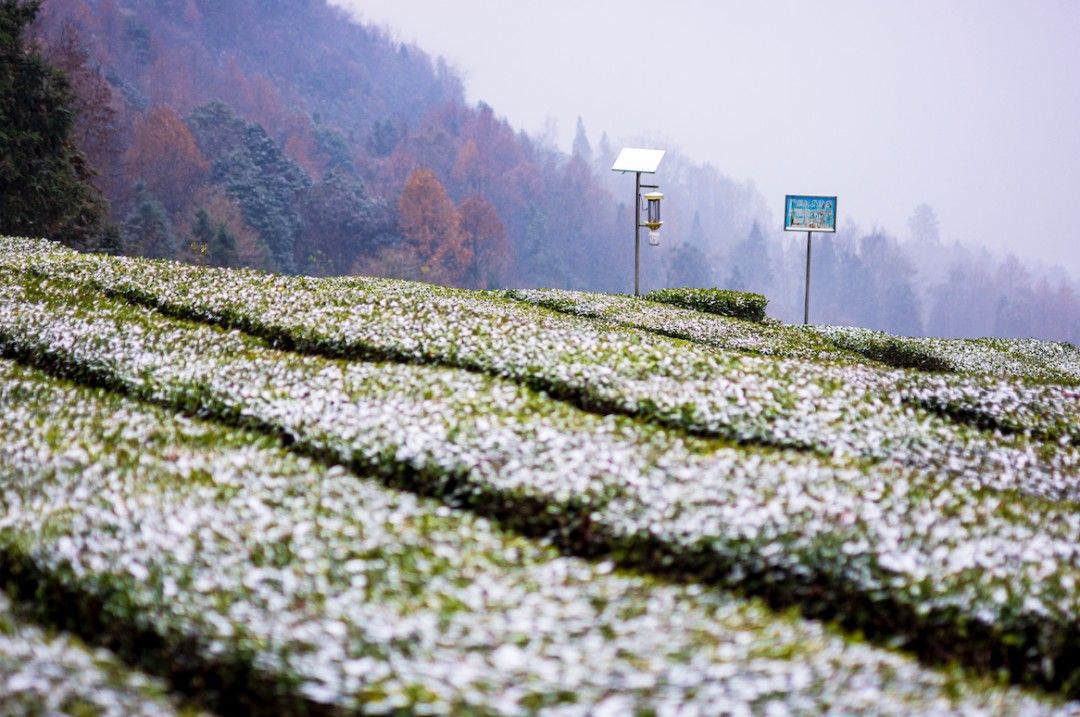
915, 283
279, 136
309, 144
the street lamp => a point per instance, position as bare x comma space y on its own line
653, 221
642, 161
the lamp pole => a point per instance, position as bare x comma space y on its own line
637, 232
638, 186
641, 161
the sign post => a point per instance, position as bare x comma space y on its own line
809, 214
806, 299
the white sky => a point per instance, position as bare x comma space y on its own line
972, 106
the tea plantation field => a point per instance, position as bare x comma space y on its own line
229, 492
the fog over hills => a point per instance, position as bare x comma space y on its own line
328, 146
970, 107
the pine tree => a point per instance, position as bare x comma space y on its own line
689, 267
581, 147
341, 222
924, 227
223, 249
333, 152
250, 166
605, 155
383, 139
202, 235
147, 231
750, 269
697, 232
902, 311
45, 187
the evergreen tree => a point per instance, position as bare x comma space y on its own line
217, 129
542, 264
884, 287
45, 187
736, 281
333, 151
924, 227
147, 231
217, 247
581, 147
750, 268
902, 313
223, 249
383, 139
697, 232
605, 155
826, 275
202, 235
689, 267
341, 221
266, 184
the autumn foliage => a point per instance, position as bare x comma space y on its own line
164, 156
349, 153
488, 242
431, 229
281, 135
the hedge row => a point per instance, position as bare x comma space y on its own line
1035, 407
736, 304
602, 369
955, 559
53, 674
279, 587
711, 329
1042, 361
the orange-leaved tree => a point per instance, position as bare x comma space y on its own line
430, 227
488, 243
164, 156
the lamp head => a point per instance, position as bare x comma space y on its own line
653, 221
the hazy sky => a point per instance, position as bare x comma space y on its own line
972, 107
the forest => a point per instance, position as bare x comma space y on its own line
286, 137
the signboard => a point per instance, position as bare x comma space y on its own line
809, 214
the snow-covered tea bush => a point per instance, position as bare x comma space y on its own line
334, 594
932, 511
700, 327
1049, 361
737, 304
50, 674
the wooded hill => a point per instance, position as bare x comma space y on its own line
285, 136
319, 145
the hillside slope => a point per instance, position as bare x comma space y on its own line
301, 132
337, 119
344, 494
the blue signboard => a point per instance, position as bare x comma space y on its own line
809, 214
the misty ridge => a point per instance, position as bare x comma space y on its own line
287, 137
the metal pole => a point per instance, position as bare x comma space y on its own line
637, 232
806, 301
